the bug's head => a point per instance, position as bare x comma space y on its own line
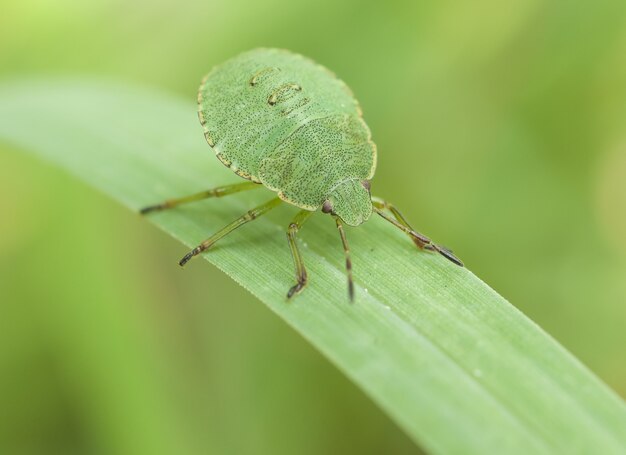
351, 201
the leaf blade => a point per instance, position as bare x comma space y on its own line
456, 365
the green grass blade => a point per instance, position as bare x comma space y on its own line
451, 361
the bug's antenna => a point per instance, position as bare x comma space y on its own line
346, 250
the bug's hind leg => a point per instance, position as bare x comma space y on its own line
246, 218
298, 263
220, 191
401, 223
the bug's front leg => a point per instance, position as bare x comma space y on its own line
346, 251
401, 223
298, 263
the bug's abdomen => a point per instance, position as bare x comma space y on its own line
237, 119
318, 155
251, 104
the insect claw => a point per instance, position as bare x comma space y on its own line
295, 290
445, 252
151, 208
186, 258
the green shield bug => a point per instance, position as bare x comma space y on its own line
282, 121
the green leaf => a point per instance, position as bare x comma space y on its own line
451, 361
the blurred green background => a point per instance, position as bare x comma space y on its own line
501, 128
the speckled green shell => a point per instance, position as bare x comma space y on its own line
280, 119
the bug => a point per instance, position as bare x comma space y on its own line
280, 120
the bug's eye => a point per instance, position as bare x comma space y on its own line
327, 207
366, 184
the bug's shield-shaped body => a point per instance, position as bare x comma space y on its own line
280, 119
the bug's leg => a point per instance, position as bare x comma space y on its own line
247, 217
419, 239
215, 192
298, 263
346, 250
401, 223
